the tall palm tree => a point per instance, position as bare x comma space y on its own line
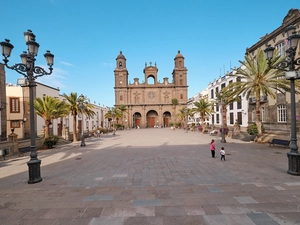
73, 103
204, 108
224, 98
174, 103
113, 113
184, 112
123, 110
258, 79
49, 108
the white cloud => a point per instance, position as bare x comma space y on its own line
56, 80
66, 63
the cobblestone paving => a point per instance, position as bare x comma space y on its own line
152, 176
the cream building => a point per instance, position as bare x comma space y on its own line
149, 103
275, 113
18, 113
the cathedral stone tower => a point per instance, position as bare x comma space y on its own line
149, 103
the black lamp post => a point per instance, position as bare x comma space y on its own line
291, 67
81, 107
28, 69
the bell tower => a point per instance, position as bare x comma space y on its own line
121, 80
179, 72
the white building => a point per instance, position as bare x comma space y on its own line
237, 111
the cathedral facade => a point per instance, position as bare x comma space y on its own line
149, 103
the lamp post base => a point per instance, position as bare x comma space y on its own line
294, 163
82, 141
34, 169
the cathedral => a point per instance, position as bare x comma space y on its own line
149, 103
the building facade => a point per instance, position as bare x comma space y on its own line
149, 103
18, 113
275, 113
236, 111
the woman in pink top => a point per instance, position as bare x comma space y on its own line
212, 148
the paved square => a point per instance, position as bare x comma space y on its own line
152, 176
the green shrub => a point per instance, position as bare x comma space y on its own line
50, 141
252, 129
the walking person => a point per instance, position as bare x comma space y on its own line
212, 148
222, 153
98, 132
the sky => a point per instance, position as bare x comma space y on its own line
87, 36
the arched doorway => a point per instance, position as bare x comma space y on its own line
166, 118
152, 119
136, 120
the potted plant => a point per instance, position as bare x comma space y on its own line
50, 141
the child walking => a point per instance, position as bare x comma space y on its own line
212, 148
222, 153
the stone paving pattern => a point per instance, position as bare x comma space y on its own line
152, 176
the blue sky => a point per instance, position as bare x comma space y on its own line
86, 37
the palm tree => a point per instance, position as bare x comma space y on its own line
73, 103
204, 108
113, 113
123, 110
49, 108
184, 112
174, 103
257, 79
224, 98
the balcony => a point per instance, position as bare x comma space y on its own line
263, 99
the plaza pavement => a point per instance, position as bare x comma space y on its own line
152, 176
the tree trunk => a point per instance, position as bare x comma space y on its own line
258, 119
74, 129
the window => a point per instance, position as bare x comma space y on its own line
263, 114
180, 82
217, 107
280, 48
211, 93
218, 118
217, 89
253, 115
238, 79
15, 123
231, 118
120, 64
239, 117
281, 113
231, 106
181, 96
223, 86
14, 105
121, 97
239, 102
213, 119
87, 125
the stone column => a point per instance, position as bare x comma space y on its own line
14, 139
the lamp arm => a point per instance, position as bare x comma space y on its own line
19, 67
39, 71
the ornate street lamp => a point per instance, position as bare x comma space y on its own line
291, 73
28, 69
81, 107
